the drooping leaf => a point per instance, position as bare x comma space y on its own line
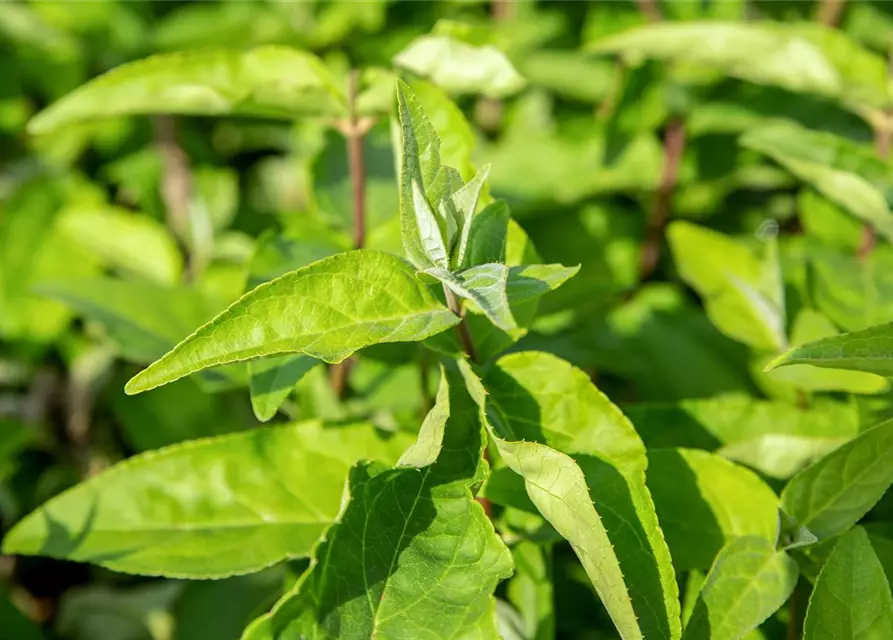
869, 350
851, 598
208, 508
584, 469
123, 240
747, 583
459, 67
270, 81
272, 379
411, 550
848, 174
776, 438
832, 494
704, 501
326, 310
740, 300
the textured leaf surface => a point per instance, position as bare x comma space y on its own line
704, 501
835, 492
739, 298
206, 508
412, 553
326, 310
775, 438
869, 350
851, 598
749, 581
486, 286
584, 469
460, 67
268, 81
845, 172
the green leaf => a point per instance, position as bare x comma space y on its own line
748, 582
275, 254
531, 591
326, 310
14, 624
704, 501
739, 299
271, 380
485, 285
584, 469
831, 495
869, 350
270, 81
775, 438
851, 598
488, 233
412, 549
459, 67
429, 230
134, 243
207, 508
810, 326
754, 52
103, 611
849, 174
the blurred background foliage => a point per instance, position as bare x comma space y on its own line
118, 236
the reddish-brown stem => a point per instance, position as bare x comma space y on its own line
462, 327
674, 145
175, 183
357, 163
650, 10
829, 12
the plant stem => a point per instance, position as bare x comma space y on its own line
650, 10
354, 131
175, 179
674, 145
462, 327
830, 11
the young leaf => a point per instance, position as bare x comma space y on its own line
272, 379
834, 493
486, 285
270, 81
465, 202
731, 279
704, 501
487, 236
869, 350
412, 549
326, 310
584, 468
851, 598
460, 67
747, 583
206, 508
430, 232
849, 174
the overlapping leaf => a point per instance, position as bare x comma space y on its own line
207, 508
869, 350
326, 310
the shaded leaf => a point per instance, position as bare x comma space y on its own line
272, 379
208, 508
851, 598
704, 501
832, 494
747, 583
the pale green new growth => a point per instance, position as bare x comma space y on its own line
869, 350
269, 81
851, 598
748, 582
832, 495
207, 508
326, 310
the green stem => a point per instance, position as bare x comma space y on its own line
462, 327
